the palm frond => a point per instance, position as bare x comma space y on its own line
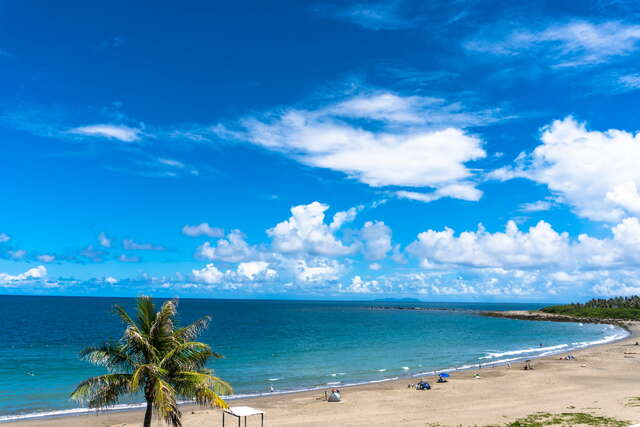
203, 387
162, 326
138, 343
146, 312
187, 356
165, 402
110, 355
123, 315
102, 391
192, 331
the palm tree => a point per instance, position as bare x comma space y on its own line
157, 360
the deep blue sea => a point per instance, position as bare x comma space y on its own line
287, 345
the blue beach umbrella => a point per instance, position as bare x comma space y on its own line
444, 375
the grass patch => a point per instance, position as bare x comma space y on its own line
566, 419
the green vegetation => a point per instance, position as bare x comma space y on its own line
620, 308
154, 359
567, 419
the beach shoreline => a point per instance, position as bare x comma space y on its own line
281, 407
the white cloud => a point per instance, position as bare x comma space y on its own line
344, 217
104, 240
126, 258
17, 254
208, 274
457, 191
46, 258
253, 269
39, 272
375, 266
119, 132
4, 237
316, 270
537, 206
377, 239
359, 286
202, 229
594, 171
540, 247
111, 280
380, 139
306, 232
233, 248
629, 81
572, 44
131, 245
171, 163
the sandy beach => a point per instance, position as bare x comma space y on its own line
603, 380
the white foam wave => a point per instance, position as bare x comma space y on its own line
382, 370
524, 351
274, 379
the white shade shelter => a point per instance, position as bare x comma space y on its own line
243, 412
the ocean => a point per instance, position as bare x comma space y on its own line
284, 345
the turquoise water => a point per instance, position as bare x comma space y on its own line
287, 345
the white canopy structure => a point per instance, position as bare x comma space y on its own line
243, 412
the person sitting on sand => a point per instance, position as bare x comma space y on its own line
335, 395
442, 380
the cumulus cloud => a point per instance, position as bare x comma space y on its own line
4, 237
596, 172
233, 248
572, 44
380, 139
316, 270
46, 258
376, 237
306, 232
39, 272
540, 247
344, 217
359, 286
208, 274
254, 269
202, 229
131, 245
109, 131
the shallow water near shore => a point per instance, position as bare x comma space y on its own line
284, 345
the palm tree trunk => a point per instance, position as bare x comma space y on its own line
147, 414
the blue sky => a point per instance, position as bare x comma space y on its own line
440, 150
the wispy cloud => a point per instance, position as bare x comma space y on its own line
109, 131
537, 206
374, 15
572, 44
131, 245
